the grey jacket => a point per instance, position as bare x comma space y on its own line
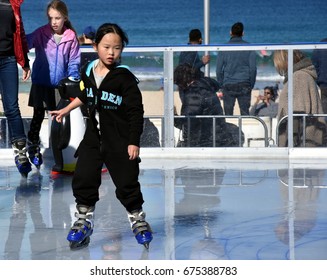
262, 110
235, 67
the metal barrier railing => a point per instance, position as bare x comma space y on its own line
5, 141
266, 136
240, 120
168, 52
304, 118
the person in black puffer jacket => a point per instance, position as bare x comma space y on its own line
200, 99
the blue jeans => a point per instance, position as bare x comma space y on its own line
9, 94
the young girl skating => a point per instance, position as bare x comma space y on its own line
57, 56
112, 137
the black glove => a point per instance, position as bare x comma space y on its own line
69, 88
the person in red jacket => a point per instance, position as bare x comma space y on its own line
13, 50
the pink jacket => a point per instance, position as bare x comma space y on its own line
54, 62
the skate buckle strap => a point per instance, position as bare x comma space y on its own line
140, 227
84, 216
20, 155
82, 225
138, 223
20, 152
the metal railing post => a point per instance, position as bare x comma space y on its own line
168, 98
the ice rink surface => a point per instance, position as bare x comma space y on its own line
198, 209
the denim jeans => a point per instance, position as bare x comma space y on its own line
9, 94
241, 92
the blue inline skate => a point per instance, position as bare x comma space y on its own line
34, 153
21, 160
82, 229
140, 227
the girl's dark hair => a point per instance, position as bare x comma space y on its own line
184, 75
110, 28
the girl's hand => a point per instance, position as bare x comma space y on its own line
60, 114
26, 73
57, 115
133, 151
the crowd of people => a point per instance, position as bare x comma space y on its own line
236, 73
114, 126
113, 101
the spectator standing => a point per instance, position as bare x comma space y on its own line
192, 57
306, 100
236, 73
319, 59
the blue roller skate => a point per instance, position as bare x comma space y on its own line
21, 160
140, 227
34, 153
82, 229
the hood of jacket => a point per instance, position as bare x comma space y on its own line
306, 66
118, 101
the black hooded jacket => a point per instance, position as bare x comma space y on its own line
200, 99
118, 101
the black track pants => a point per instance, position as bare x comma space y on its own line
124, 173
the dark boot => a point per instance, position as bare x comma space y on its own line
34, 153
21, 160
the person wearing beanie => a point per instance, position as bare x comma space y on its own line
88, 35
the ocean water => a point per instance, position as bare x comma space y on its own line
162, 23
157, 22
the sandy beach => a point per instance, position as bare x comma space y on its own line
153, 103
25, 110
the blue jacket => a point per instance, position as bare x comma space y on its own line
54, 62
235, 67
192, 58
319, 60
